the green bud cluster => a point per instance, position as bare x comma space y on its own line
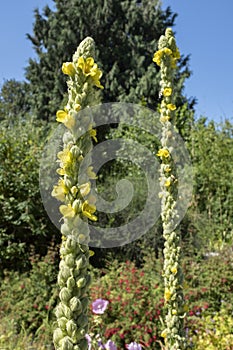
166, 58
74, 190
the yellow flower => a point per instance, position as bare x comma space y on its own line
77, 107
60, 190
92, 133
61, 171
174, 270
90, 68
167, 91
167, 294
164, 334
171, 106
164, 118
68, 68
167, 183
174, 312
88, 211
96, 74
65, 157
159, 55
85, 65
167, 169
85, 189
67, 211
58, 193
91, 173
163, 153
167, 51
65, 118
91, 253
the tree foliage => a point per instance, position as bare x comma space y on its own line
212, 155
13, 100
126, 34
24, 225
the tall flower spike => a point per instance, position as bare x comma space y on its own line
174, 337
78, 202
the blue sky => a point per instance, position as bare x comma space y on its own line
204, 29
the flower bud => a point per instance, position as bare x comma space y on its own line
64, 273
57, 335
65, 229
67, 182
74, 190
71, 244
77, 205
62, 323
81, 262
63, 311
75, 305
69, 260
65, 295
81, 282
75, 151
70, 283
67, 137
71, 327
67, 344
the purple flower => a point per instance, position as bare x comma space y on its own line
134, 346
99, 306
110, 345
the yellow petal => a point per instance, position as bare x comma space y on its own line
93, 133
90, 61
61, 116
58, 193
85, 189
77, 107
67, 211
81, 62
167, 183
163, 153
88, 210
171, 106
68, 68
91, 253
167, 91
91, 173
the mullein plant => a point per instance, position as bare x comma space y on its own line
166, 57
74, 191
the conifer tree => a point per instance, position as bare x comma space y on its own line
125, 33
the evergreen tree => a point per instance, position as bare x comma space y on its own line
13, 100
126, 34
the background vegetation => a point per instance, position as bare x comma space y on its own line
129, 277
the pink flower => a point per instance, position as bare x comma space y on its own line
99, 306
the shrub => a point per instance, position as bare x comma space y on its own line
214, 331
135, 302
24, 223
28, 299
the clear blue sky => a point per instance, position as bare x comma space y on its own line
204, 29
